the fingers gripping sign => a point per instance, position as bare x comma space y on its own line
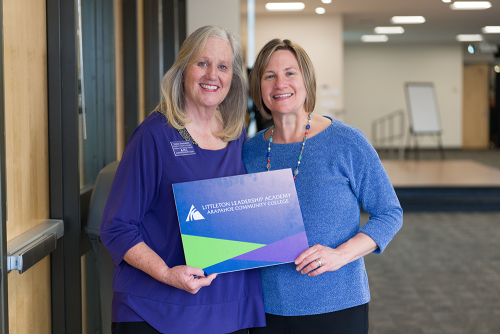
188, 278
318, 259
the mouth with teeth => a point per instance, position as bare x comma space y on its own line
209, 88
280, 96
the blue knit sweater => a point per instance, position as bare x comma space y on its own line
339, 169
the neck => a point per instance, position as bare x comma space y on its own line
202, 118
289, 128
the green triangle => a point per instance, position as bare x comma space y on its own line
203, 252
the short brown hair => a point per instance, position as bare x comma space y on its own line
234, 107
305, 64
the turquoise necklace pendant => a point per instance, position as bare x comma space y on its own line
296, 171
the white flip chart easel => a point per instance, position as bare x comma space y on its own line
423, 112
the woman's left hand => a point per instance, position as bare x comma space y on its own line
324, 258
321, 258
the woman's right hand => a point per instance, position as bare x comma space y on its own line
187, 278
181, 277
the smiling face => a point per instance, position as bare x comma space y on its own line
207, 80
282, 84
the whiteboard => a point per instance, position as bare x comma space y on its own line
422, 107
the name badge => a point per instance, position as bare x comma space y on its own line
181, 148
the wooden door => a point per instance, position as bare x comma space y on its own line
476, 109
27, 168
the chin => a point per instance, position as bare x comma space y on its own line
212, 102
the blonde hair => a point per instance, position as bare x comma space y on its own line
231, 112
305, 64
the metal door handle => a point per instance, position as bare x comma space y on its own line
30, 247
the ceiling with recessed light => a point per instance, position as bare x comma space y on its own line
361, 17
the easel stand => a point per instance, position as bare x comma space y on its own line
414, 137
424, 115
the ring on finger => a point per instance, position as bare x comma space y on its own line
318, 262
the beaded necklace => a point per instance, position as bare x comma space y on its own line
296, 171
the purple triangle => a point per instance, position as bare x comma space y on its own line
284, 250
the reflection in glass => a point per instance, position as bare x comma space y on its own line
82, 129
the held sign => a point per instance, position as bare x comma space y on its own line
240, 222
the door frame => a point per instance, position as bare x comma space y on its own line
63, 164
63, 169
4, 292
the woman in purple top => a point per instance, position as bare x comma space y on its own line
195, 133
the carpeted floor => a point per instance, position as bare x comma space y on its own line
440, 274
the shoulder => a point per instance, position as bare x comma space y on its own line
150, 138
143, 149
242, 138
254, 142
155, 122
155, 127
347, 136
350, 141
345, 132
253, 147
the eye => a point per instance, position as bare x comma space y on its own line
290, 73
223, 67
202, 63
270, 76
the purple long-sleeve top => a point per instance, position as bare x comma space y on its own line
141, 208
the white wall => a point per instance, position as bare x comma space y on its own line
374, 84
225, 13
321, 38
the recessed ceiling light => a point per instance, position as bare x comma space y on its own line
491, 30
285, 6
470, 48
326, 1
320, 10
446, 0
470, 5
374, 38
469, 38
497, 68
389, 30
407, 19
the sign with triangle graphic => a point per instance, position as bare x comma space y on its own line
240, 222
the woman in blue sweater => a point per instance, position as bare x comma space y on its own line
335, 168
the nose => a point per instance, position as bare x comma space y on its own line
211, 73
280, 82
